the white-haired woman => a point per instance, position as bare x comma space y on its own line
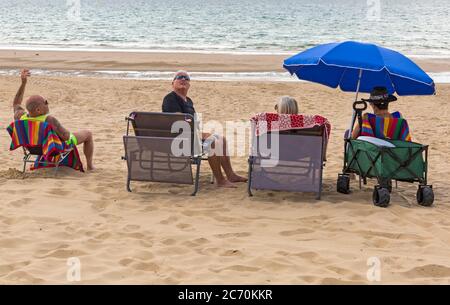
287, 105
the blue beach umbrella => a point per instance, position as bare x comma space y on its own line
359, 67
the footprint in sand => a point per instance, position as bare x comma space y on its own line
21, 202
126, 261
137, 264
224, 218
239, 268
58, 192
230, 235
169, 220
150, 209
60, 253
23, 277
130, 228
103, 236
296, 232
175, 192
428, 271
232, 252
196, 242
111, 218
169, 242
136, 235
184, 226
6, 269
99, 205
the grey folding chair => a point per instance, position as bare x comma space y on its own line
298, 166
163, 149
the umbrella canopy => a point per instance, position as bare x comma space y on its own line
359, 67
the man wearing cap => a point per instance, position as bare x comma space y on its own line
379, 101
178, 101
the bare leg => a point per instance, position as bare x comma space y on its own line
225, 162
214, 162
85, 137
231, 175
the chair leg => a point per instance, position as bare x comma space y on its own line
129, 185
56, 169
25, 160
213, 179
197, 177
249, 178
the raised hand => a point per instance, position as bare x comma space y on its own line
24, 74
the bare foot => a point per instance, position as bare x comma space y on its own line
91, 168
225, 183
236, 178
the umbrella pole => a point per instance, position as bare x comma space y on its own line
352, 124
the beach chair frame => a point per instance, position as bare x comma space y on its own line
36, 151
316, 132
160, 134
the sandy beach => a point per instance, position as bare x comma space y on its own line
160, 235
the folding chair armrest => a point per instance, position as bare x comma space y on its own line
202, 156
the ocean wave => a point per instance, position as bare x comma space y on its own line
439, 78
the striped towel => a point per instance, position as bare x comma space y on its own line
41, 135
392, 128
266, 122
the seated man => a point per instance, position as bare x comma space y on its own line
178, 101
38, 110
382, 124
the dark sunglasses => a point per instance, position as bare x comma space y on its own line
185, 77
45, 102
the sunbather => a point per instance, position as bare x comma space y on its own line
379, 101
38, 110
178, 101
287, 105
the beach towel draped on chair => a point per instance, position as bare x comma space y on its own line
297, 145
392, 128
269, 122
41, 140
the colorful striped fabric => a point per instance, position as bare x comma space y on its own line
41, 135
392, 128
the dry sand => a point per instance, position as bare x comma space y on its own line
159, 234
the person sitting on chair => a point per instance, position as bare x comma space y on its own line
177, 101
379, 101
38, 110
287, 105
